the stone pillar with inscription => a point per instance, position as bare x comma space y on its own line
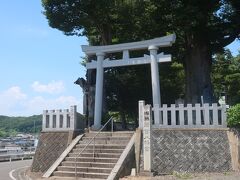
147, 144
73, 117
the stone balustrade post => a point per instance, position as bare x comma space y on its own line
51, 119
58, 118
44, 119
65, 113
141, 105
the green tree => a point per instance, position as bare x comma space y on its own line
226, 77
2, 133
202, 28
233, 116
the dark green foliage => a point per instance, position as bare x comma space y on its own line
122, 89
125, 86
12, 125
226, 77
233, 116
172, 80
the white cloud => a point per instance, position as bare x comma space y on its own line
11, 99
13, 102
53, 87
40, 103
14, 93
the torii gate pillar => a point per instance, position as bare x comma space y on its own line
99, 92
156, 95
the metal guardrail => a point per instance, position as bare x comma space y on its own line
19, 156
90, 141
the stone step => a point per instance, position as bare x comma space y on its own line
88, 164
107, 138
80, 174
107, 147
101, 146
78, 150
102, 141
114, 134
84, 169
86, 159
98, 155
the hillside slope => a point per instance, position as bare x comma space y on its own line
13, 125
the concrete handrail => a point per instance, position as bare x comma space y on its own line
90, 141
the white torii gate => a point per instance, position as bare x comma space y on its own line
101, 63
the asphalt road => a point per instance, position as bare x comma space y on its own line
14, 168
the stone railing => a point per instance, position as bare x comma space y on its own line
59, 120
180, 116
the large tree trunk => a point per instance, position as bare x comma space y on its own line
198, 68
91, 81
106, 38
123, 120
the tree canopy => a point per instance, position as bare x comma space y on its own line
117, 21
203, 28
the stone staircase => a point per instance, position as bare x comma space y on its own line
108, 148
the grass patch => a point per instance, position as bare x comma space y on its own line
183, 175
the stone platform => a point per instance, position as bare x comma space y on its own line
194, 151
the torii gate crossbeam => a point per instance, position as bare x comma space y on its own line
101, 63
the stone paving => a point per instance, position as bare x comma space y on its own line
179, 176
175, 176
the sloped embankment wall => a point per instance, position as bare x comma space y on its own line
50, 146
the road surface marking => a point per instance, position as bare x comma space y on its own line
12, 171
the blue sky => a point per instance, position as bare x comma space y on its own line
38, 64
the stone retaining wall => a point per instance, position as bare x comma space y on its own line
50, 146
191, 151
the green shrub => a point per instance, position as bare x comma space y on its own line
233, 116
